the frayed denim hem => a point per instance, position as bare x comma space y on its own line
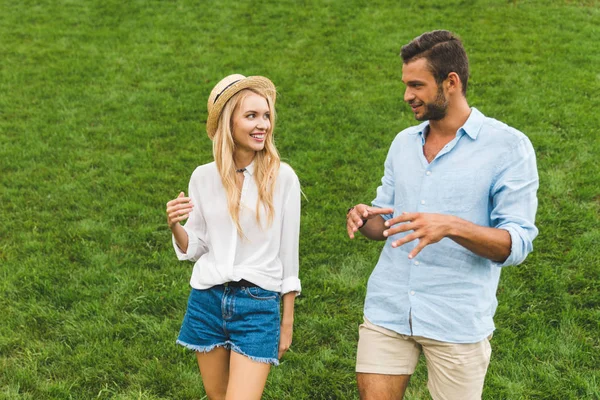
228, 345
264, 360
202, 349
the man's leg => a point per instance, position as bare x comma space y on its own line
385, 360
456, 371
381, 387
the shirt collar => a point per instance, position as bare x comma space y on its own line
250, 168
471, 127
421, 130
473, 124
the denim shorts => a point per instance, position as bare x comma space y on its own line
243, 319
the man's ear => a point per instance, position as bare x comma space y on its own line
453, 82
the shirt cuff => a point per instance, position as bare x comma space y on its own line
291, 284
513, 257
191, 250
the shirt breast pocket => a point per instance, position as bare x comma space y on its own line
460, 191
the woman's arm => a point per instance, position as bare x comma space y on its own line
287, 323
189, 240
289, 256
179, 210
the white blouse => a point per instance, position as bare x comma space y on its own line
267, 256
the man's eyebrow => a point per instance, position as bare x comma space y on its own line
413, 82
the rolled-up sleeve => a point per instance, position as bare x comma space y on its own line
290, 236
195, 227
515, 202
385, 192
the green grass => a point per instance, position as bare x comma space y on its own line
102, 112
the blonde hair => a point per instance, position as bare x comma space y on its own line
266, 161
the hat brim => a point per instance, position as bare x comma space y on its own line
259, 83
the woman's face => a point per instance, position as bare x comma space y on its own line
251, 123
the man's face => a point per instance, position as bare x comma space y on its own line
426, 99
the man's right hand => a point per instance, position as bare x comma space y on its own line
362, 212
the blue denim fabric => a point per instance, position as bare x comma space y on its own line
243, 319
486, 175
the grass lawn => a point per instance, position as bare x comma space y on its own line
102, 113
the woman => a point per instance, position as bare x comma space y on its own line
242, 234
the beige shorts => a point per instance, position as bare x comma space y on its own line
455, 371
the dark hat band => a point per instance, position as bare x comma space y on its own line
226, 87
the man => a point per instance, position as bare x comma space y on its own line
457, 202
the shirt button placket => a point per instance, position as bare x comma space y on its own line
243, 195
425, 189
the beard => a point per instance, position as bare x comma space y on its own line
435, 110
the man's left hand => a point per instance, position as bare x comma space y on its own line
427, 228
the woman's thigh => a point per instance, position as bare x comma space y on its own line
247, 378
214, 369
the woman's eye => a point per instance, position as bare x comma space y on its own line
267, 116
250, 116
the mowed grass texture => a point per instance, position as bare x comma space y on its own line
102, 113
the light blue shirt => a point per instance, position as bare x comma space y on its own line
486, 175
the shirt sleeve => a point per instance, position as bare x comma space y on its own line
290, 237
514, 204
386, 192
195, 227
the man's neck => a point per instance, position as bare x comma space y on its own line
457, 115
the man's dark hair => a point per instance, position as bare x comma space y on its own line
444, 53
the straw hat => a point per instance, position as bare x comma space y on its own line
229, 86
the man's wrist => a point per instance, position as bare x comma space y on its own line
454, 227
364, 222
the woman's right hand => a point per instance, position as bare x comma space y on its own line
178, 210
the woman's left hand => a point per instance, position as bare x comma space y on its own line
285, 338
